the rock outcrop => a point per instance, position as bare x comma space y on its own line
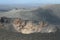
30, 27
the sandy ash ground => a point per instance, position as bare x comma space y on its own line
6, 35
11, 29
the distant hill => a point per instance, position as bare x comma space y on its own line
49, 13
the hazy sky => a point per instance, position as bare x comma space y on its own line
29, 1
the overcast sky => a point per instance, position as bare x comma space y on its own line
29, 1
